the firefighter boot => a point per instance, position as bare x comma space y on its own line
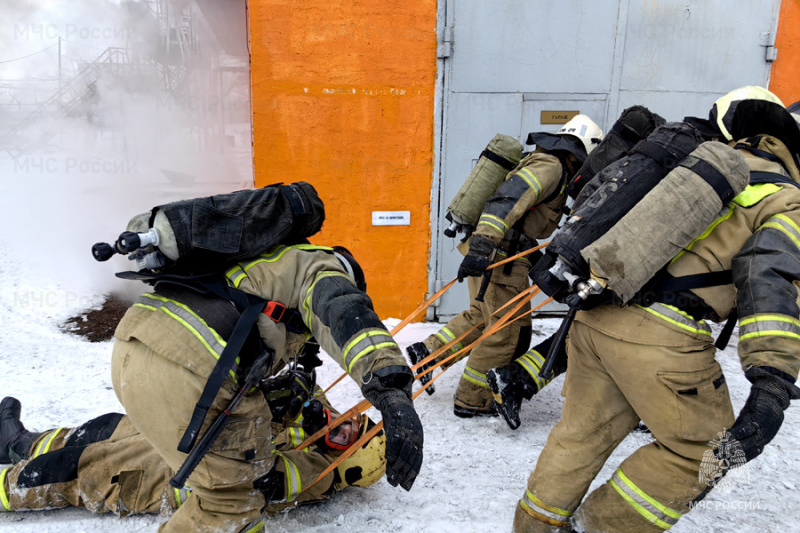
416, 353
509, 385
15, 440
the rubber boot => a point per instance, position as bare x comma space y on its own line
509, 385
15, 440
416, 353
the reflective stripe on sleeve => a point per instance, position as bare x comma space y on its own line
786, 226
297, 436
45, 443
531, 180
293, 484
3, 495
532, 361
543, 512
675, 316
494, 222
365, 343
645, 505
473, 376
254, 527
310, 291
769, 326
447, 336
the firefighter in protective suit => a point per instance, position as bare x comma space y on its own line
105, 465
657, 363
166, 347
526, 206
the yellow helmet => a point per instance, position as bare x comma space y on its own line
725, 107
367, 465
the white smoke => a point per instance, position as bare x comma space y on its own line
163, 115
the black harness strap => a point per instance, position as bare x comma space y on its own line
758, 176
225, 362
657, 153
696, 281
500, 160
712, 176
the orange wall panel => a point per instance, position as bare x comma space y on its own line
343, 97
785, 76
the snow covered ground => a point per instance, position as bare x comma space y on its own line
474, 470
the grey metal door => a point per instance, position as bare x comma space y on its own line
507, 63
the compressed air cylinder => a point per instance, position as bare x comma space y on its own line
502, 155
668, 218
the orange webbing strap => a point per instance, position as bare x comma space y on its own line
405, 322
521, 254
532, 291
504, 321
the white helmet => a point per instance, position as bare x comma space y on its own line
585, 130
579, 136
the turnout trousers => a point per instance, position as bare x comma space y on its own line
626, 365
497, 350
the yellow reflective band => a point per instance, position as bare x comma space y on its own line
725, 216
215, 351
679, 318
297, 436
543, 512
445, 335
310, 291
292, 478
769, 333
3, 495
780, 227
495, 222
258, 527
235, 276
752, 194
532, 362
371, 348
46, 443
649, 508
531, 180
473, 376
278, 252
776, 318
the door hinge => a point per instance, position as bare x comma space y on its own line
767, 40
445, 47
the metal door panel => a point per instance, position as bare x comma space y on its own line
533, 45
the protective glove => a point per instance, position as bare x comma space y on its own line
389, 389
271, 486
762, 414
478, 259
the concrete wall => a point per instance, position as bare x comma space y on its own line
785, 77
343, 97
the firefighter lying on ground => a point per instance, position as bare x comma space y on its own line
106, 466
166, 347
526, 206
656, 363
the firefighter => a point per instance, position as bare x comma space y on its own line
526, 206
166, 348
656, 363
106, 465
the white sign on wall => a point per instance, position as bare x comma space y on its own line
391, 218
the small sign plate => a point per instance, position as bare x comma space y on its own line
557, 117
391, 218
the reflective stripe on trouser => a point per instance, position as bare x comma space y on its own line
543, 512
674, 385
46, 441
121, 474
159, 395
498, 349
532, 361
648, 507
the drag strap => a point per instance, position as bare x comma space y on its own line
499, 159
727, 330
224, 364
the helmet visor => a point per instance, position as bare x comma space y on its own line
344, 435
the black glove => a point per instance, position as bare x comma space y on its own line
762, 414
271, 486
287, 392
478, 259
389, 389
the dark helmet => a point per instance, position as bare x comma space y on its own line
354, 270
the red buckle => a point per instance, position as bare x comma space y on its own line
275, 308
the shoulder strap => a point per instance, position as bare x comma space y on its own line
757, 177
696, 281
241, 331
496, 158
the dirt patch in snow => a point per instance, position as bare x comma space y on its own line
98, 325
